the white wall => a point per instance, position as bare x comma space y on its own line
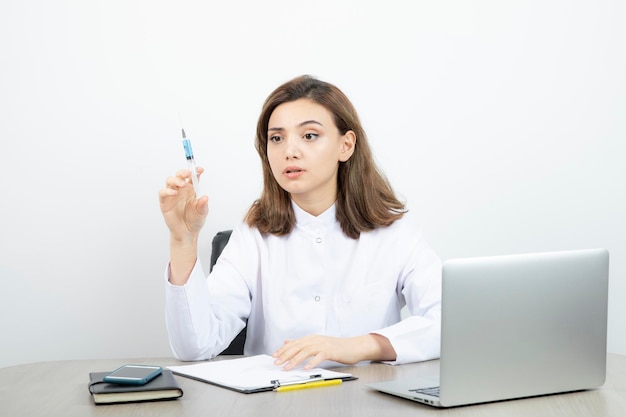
501, 123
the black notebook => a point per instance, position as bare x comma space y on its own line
163, 387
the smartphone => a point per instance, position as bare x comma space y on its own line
133, 374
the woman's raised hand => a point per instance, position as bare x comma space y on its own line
184, 214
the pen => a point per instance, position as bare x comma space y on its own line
306, 385
191, 162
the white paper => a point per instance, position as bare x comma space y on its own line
250, 373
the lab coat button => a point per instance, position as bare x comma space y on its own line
318, 240
317, 298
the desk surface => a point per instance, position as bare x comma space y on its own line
60, 389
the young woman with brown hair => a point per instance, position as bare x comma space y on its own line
324, 260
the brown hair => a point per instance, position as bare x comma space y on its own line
365, 199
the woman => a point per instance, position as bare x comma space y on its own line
325, 259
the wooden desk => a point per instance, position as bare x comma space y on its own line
60, 389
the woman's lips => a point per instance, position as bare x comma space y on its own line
293, 172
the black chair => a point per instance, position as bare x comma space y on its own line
219, 242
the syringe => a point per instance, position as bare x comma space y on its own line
191, 162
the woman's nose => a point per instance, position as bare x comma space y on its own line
292, 149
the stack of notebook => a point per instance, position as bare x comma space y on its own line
163, 387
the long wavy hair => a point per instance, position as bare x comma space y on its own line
365, 199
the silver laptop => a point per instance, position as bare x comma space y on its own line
517, 326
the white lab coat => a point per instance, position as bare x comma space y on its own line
315, 280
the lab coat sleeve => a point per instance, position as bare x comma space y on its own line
204, 315
418, 336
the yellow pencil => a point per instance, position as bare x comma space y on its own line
306, 385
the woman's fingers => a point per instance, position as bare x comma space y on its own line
295, 352
175, 182
184, 212
185, 174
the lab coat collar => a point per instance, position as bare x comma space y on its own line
327, 218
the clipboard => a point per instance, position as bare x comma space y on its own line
253, 374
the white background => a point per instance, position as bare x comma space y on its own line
501, 123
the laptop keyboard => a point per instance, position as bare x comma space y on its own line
433, 391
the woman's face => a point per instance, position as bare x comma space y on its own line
304, 149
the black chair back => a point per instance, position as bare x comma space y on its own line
217, 246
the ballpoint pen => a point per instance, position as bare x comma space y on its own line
306, 385
191, 162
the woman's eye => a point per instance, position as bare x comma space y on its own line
310, 136
275, 139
